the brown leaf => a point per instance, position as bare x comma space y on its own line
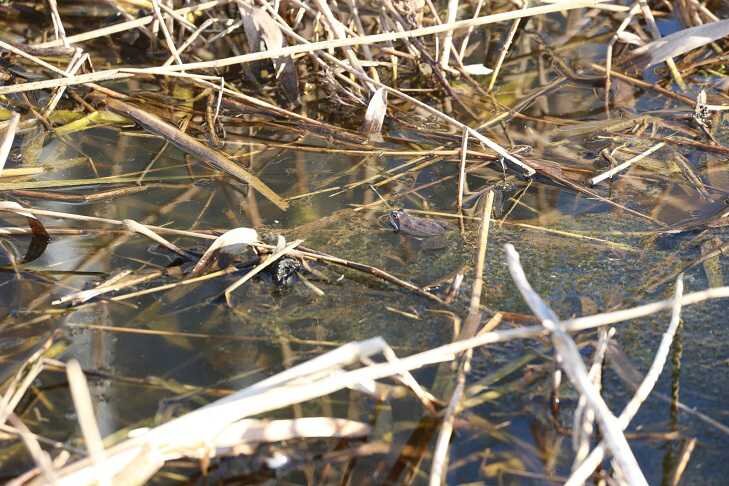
36, 227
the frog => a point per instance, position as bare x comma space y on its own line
416, 226
430, 231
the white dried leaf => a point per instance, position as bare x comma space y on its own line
229, 242
477, 70
136, 227
630, 38
375, 115
678, 43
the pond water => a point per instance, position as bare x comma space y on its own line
154, 356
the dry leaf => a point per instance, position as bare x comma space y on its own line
230, 242
36, 227
260, 27
136, 227
375, 115
477, 70
677, 43
630, 38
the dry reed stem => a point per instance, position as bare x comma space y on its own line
7, 140
445, 54
584, 416
166, 32
87, 420
42, 460
610, 173
59, 31
119, 73
132, 24
77, 61
23, 379
583, 472
568, 357
504, 51
683, 459
462, 177
469, 329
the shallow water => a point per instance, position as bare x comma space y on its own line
155, 356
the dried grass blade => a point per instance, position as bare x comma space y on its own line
193, 147
8, 137
144, 230
571, 362
87, 420
586, 468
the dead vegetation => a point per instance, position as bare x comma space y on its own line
474, 99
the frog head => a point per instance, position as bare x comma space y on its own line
396, 216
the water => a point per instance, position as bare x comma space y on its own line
141, 351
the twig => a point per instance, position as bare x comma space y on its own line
87, 420
571, 363
304, 48
610, 173
580, 475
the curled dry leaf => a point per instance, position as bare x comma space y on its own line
260, 27
677, 43
36, 227
230, 242
375, 115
